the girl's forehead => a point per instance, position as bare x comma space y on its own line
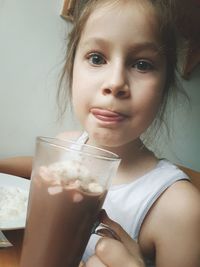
103, 6
125, 17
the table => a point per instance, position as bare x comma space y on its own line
10, 257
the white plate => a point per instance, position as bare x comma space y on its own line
10, 181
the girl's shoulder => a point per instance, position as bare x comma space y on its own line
180, 199
71, 135
172, 224
178, 203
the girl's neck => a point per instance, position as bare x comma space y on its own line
127, 152
136, 161
130, 150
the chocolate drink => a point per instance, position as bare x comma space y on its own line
60, 218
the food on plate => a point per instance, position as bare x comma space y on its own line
13, 204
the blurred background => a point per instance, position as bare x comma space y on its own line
32, 51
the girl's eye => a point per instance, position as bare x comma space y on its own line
96, 59
143, 66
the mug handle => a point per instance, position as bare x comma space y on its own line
104, 230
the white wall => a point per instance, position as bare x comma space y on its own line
32, 46
184, 144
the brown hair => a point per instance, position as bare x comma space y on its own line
82, 11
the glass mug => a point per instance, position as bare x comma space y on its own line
69, 183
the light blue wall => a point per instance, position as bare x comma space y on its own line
32, 47
184, 144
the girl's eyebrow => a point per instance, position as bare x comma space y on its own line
95, 41
137, 47
133, 48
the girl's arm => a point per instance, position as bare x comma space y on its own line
19, 166
175, 226
22, 166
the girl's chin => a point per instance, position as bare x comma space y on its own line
109, 140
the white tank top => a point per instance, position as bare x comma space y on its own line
128, 204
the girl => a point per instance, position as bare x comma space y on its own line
120, 68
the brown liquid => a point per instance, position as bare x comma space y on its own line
58, 226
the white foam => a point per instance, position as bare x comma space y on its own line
69, 170
53, 190
70, 174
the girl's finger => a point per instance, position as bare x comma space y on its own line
129, 243
113, 253
94, 261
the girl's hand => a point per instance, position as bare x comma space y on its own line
113, 253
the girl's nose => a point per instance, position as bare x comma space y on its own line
116, 85
119, 92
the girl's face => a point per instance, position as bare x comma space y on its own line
119, 73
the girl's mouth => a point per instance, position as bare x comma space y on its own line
106, 115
